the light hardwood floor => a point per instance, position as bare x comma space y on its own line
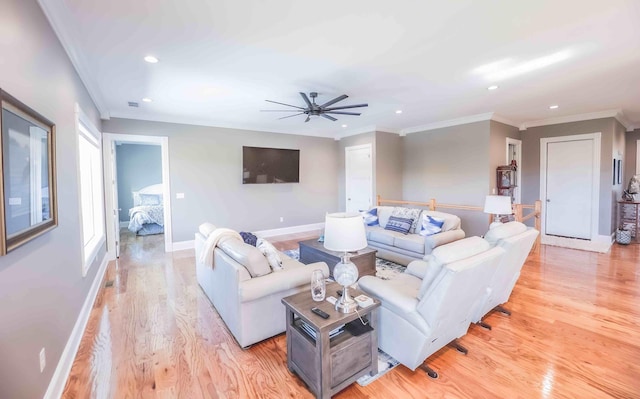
574, 333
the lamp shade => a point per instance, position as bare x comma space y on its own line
497, 204
344, 232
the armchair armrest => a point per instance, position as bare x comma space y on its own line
274, 282
388, 293
433, 241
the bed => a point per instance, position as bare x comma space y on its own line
147, 215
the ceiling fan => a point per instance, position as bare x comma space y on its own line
314, 109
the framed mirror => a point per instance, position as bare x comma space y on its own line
28, 205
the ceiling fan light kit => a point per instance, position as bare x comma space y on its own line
312, 109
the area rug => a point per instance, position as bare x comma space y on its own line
385, 364
385, 269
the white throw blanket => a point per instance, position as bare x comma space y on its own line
206, 257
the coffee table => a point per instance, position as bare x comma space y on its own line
328, 365
312, 251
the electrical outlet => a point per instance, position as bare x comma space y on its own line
281, 219
43, 359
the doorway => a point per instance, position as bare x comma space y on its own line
569, 186
142, 187
358, 177
514, 153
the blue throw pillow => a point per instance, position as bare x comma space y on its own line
430, 225
401, 225
370, 217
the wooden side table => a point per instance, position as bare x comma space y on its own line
328, 365
629, 217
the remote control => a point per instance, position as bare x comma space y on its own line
320, 313
339, 292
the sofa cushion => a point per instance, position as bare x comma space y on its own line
384, 212
370, 217
430, 225
247, 255
379, 234
410, 242
271, 253
401, 225
449, 253
451, 222
408, 213
502, 231
206, 228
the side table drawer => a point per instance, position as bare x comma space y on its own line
350, 359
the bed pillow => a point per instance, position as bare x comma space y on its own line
149, 199
370, 217
430, 225
401, 225
271, 253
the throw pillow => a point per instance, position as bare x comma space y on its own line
271, 253
408, 213
370, 217
430, 225
249, 238
401, 225
149, 199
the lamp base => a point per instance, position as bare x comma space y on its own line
348, 306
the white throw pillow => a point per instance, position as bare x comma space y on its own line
271, 253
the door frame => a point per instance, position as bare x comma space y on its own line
518, 144
346, 171
595, 193
109, 159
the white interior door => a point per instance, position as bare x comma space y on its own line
358, 178
116, 206
569, 188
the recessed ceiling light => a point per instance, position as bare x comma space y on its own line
398, 111
344, 125
147, 100
553, 107
151, 59
492, 87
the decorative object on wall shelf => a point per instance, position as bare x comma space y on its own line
506, 180
27, 164
633, 188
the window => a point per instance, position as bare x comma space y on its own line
91, 197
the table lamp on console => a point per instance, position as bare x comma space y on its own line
497, 205
344, 232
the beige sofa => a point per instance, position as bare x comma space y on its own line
244, 290
404, 248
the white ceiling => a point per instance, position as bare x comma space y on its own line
219, 60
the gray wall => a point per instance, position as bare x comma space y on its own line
41, 283
205, 163
531, 162
138, 166
388, 165
450, 165
498, 147
360, 139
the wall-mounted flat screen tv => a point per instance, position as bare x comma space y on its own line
270, 165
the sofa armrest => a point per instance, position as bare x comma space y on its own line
387, 293
272, 283
434, 241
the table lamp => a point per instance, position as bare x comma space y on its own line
497, 205
344, 232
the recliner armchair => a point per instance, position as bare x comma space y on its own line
432, 303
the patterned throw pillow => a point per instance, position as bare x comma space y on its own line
249, 238
401, 225
430, 225
370, 217
408, 213
271, 253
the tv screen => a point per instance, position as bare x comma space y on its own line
270, 165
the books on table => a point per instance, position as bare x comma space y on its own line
309, 330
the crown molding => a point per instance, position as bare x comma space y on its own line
502, 119
612, 113
55, 12
367, 129
447, 123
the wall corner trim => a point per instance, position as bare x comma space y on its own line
182, 245
61, 373
611, 113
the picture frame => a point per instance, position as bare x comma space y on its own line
619, 171
28, 195
615, 174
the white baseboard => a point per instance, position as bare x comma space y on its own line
124, 224
600, 243
289, 230
182, 245
60, 375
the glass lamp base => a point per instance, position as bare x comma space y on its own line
348, 306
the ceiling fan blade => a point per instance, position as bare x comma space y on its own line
288, 105
280, 110
308, 119
291, 116
346, 107
306, 99
331, 118
342, 113
335, 100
